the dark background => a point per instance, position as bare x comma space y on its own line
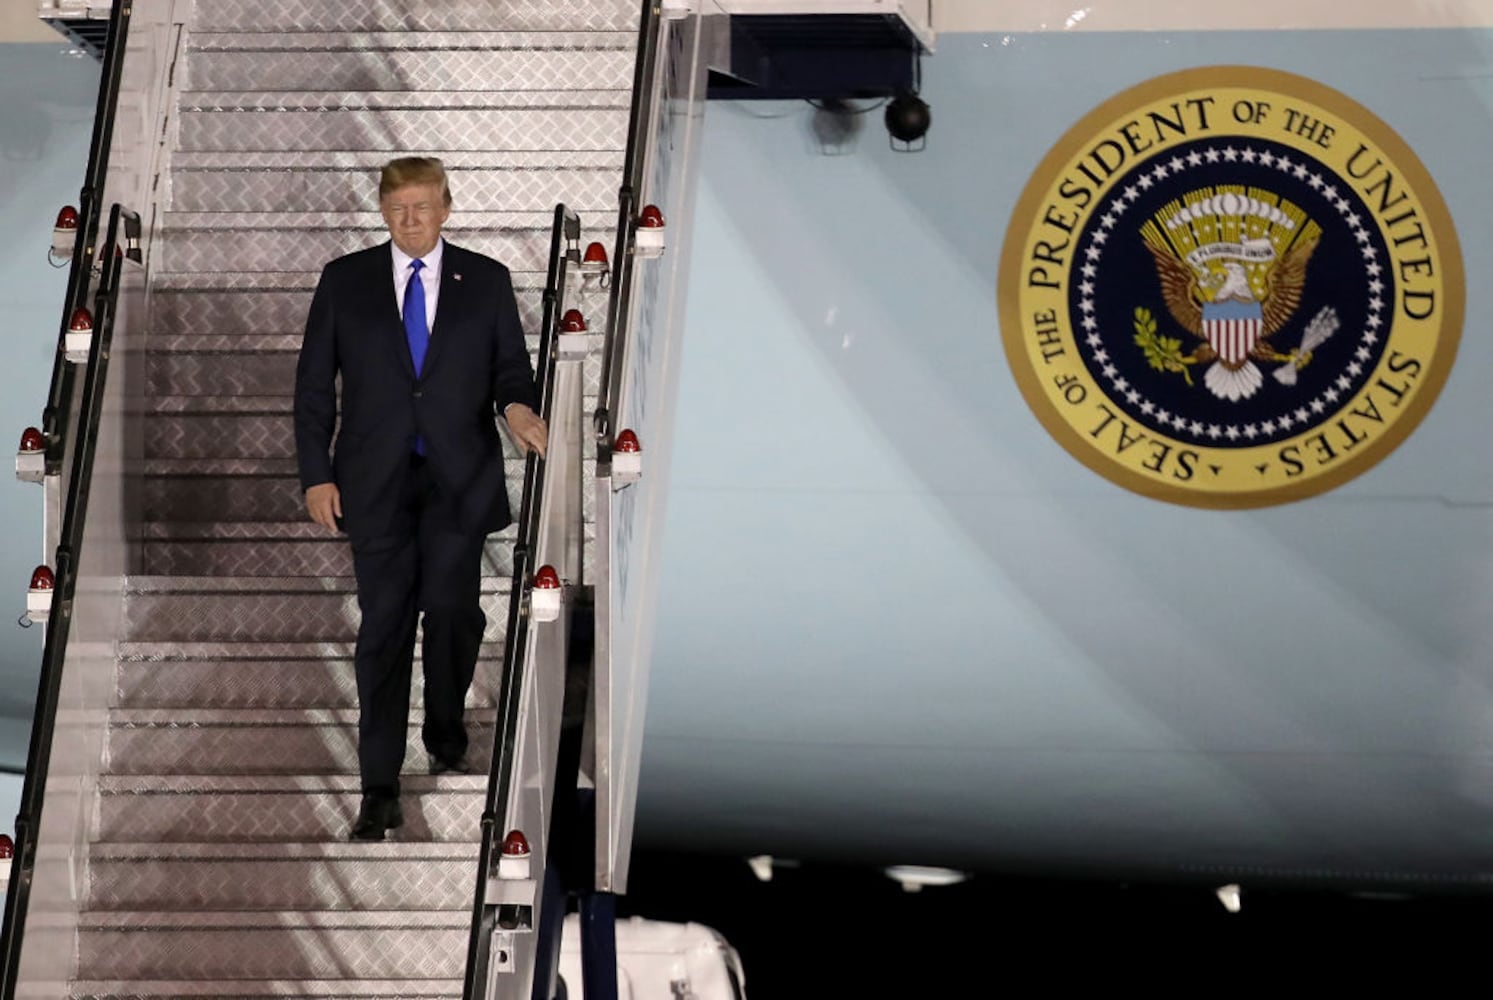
829, 931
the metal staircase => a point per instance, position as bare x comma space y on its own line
218, 863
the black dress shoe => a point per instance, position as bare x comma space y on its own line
450, 765
377, 814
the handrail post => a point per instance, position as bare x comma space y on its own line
620, 299
500, 787
59, 393
59, 621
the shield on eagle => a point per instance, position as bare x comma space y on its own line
1233, 328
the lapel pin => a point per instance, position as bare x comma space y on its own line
455, 277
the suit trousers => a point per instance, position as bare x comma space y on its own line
423, 564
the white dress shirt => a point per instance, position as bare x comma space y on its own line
430, 277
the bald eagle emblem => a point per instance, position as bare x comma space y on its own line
1232, 265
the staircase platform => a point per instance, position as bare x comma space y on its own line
217, 863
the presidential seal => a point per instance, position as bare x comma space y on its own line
1231, 287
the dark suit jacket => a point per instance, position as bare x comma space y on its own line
476, 365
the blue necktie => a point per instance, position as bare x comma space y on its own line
416, 331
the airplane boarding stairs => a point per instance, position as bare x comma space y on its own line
215, 859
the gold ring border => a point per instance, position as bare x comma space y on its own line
1171, 85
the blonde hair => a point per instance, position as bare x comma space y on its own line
408, 170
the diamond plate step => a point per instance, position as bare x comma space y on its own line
254, 428
258, 304
306, 945
229, 429
292, 547
405, 60
315, 876
259, 989
182, 491
396, 122
260, 741
279, 808
449, 15
263, 675
223, 490
227, 367
225, 548
235, 373
480, 181
212, 243
248, 434
262, 609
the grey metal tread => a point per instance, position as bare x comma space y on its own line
282, 919
231, 348
344, 163
300, 530
220, 466
228, 585
413, 783
279, 808
264, 675
289, 547
206, 490
259, 430
336, 181
245, 652
480, 41
277, 877
189, 405
279, 221
591, 192
364, 62
202, 718
229, 653
292, 851
274, 250
259, 609
221, 373
268, 944
302, 741
222, 344
400, 122
189, 306
286, 102
285, 16
260, 989
286, 280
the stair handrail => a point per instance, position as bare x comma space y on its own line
59, 620
619, 301
57, 412
564, 238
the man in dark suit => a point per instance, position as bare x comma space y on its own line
427, 341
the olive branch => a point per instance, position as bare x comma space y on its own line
1163, 353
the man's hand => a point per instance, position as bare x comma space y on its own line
529, 432
324, 504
